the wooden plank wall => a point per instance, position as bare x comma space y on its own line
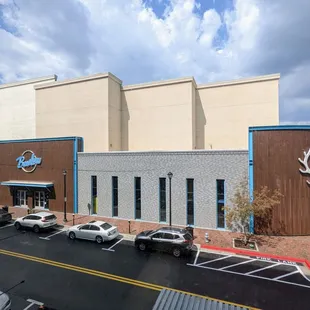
275, 159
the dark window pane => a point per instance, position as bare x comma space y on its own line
168, 236
93, 227
220, 215
220, 187
158, 235
162, 200
106, 226
190, 202
138, 197
115, 196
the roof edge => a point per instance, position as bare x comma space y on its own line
160, 83
80, 79
255, 79
30, 81
40, 139
279, 127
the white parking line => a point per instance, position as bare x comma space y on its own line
229, 266
257, 270
198, 252
214, 260
48, 237
110, 248
286, 275
253, 276
7, 226
33, 302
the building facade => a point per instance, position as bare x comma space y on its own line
32, 173
18, 108
135, 185
159, 116
279, 158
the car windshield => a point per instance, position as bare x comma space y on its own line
106, 226
187, 237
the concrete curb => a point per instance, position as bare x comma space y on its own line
250, 253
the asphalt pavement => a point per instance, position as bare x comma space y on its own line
76, 274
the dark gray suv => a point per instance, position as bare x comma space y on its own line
166, 239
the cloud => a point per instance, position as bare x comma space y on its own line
144, 40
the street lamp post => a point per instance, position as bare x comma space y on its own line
65, 195
170, 175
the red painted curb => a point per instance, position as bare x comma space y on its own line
254, 253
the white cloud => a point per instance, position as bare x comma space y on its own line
126, 37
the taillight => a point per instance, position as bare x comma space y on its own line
44, 220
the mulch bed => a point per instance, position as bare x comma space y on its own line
240, 245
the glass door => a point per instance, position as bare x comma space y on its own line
21, 198
40, 199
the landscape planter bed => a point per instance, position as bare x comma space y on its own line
239, 244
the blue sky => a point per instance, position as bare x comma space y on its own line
147, 40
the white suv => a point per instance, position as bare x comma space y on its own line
37, 221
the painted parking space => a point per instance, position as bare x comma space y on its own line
52, 232
112, 245
284, 272
6, 225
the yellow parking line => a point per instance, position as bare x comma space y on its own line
109, 276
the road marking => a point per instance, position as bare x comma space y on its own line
214, 260
257, 270
116, 243
302, 273
33, 302
48, 237
7, 226
286, 275
254, 276
229, 266
197, 255
110, 276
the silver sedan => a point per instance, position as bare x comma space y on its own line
98, 231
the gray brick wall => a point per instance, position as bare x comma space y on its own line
203, 166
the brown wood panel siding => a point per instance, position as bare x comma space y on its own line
275, 160
56, 156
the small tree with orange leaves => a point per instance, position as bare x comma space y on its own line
238, 214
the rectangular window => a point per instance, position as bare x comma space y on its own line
94, 198
162, 200
190, 201
114, 196
220, 200
138, 198
40, 199
21, 198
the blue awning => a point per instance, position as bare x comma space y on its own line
18, 183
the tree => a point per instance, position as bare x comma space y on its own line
239, 213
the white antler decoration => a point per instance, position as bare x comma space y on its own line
305, 164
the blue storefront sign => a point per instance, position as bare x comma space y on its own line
28, 161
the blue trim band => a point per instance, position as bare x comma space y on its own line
251, 177
280, 127
27, 185
75, 176
40, 140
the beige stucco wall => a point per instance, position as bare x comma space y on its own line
78, 107
17, 108
226, 110
158, 116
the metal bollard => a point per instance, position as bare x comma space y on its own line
129, 226
207, 237
73, 215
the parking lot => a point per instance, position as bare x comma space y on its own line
70, 274
288, 273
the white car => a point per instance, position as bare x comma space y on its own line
98, 231
37, 221
5, 301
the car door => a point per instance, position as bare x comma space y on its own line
94, 231
157, 241
167, 242
83, 232
28, 221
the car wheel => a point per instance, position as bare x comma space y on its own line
99, 239
142, 246
36, 228
17, 225
72, 235
176, 252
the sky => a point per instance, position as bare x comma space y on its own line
147, 40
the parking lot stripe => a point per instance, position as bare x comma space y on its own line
48, 237
286, 275
115, 244
254, 276
257, 270
214, 260
7, 226
229, 266
111, 276
197, 255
